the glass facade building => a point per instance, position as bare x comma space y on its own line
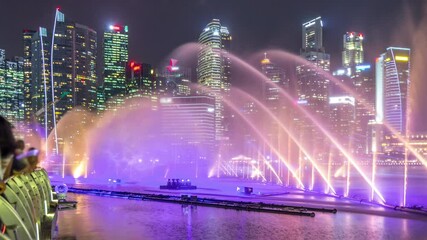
352, 54
312, 85
27, 36
115, 60
11, 88
392, 81
214, 70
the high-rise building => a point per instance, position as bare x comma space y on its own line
173, 80
312, 84
352, 54
214, 71
85, 64
312, 35
115, 59
11, 88
364, 86
40, 90
62, 63
140, 84
392, 82
27, 36
342, 111
74, 65
271, 94
188, 127
279, 106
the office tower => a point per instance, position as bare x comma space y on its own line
85, 65
392, 88
115, 60
188, 128
352, 54
313, 85
392, 82
27, 35
271, 93
40, 90
74, 65
364, 86
342, 111
140, 84
173, 80
279, 106
11, 88
213, 71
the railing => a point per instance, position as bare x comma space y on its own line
28, 207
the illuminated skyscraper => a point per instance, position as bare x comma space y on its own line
342, 111
312, 84
74, 66
11, 88
312, 35
115, 59
140, 84
352, 54
392, 82
85, 74
173, 80
279, 106
40, 79
271, 94
364, 86
213, 71
27, 35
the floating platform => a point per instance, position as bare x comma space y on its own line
178, 184
210, 202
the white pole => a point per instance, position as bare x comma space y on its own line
51, 82
45, 91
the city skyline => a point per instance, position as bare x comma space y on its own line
282, 31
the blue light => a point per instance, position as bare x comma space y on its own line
363, 67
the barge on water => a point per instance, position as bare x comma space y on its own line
178, 184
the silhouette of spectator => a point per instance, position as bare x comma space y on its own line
32, 158
20, 163
7, 147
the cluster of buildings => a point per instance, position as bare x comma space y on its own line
60, 70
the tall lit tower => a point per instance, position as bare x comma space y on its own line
312, 84
352, 54
115, 59
11, 88
85, 65
27, 35
140, 84
392, 81
40, 79
312, 35
213, 70
276, 76
74, 65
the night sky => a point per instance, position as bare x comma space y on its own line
157, 27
